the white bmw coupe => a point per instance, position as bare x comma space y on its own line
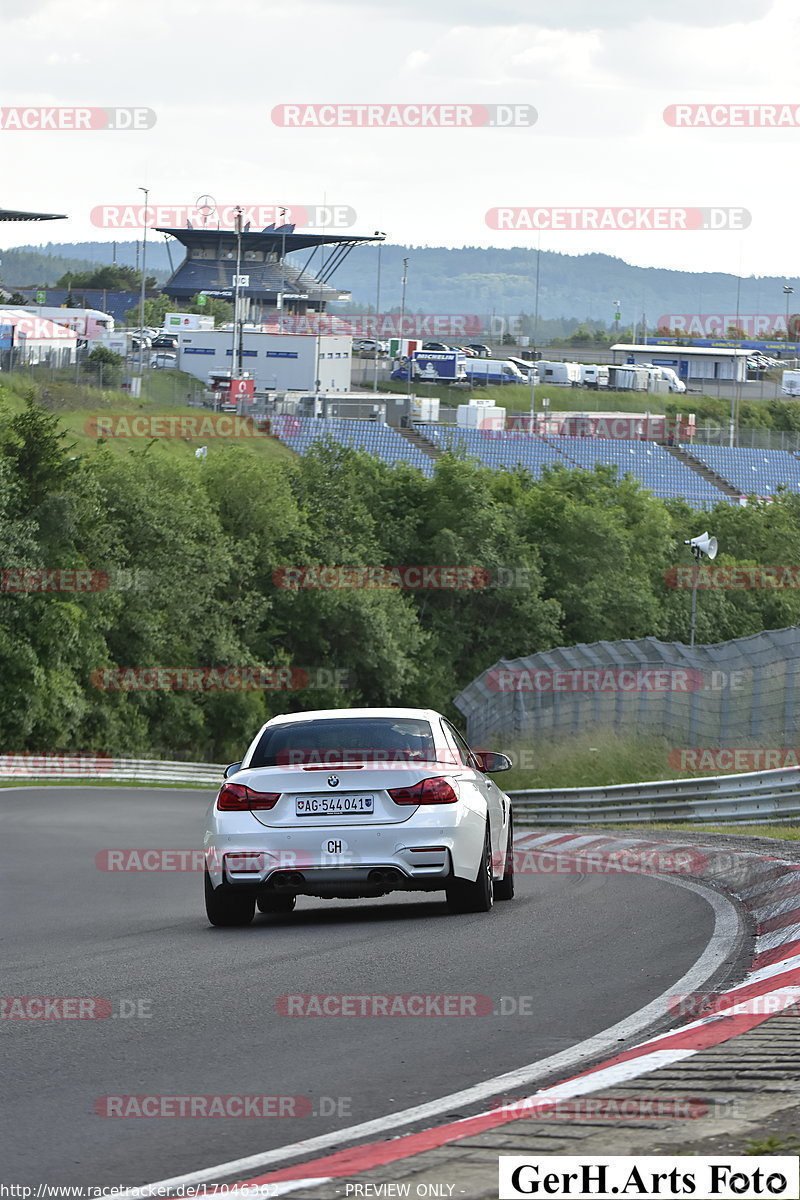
358, 803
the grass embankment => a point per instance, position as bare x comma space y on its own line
79, 406
516, 397
596, 759
603, 759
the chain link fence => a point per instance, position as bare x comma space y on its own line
745, 692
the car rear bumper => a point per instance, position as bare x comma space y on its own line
421, 855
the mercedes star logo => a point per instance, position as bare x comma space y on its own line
333, 781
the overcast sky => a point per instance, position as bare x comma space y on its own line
599, 74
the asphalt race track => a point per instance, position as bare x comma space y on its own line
575, 953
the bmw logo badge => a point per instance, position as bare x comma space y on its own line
333, 781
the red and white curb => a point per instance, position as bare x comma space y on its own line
769, 888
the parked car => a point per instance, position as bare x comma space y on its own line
437, 346
480, 350
164, 360
357, 803
166, 341
370, 346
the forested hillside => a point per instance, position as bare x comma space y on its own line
189, 551
473, 279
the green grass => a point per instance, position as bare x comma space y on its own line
785, 833
596, 759
77, 406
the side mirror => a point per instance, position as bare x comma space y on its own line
232, 769
489, 762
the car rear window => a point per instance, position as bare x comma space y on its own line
331, 740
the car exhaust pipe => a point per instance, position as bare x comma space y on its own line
285, 879
383, 876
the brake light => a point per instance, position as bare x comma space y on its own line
428, 791
235, 797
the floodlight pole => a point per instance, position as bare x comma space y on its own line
377, 313
144, 267
695, 571
707, 546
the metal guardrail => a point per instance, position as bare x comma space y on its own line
35, 767
752, 797
746, 798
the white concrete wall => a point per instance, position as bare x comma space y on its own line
701, 366
280, 361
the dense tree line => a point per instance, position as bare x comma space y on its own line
191, 551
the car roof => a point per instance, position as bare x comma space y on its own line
426, 714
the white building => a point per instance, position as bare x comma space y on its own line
686, 361
276, 361
33, 339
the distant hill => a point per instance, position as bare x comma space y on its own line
472, 279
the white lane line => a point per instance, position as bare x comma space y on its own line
721, 946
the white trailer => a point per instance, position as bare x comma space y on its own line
480, 416
629, 378
790, 383
568, 374
594, 376
88, 323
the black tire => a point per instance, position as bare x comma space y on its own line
504, 890
228, 906
463, 896
276, 903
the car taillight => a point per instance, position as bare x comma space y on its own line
428, 791
235, 797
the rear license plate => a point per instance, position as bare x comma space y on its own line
316, 806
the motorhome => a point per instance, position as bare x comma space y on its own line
594, 376
566, 373
527, 367
664, 378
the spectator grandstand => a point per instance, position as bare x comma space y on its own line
753, 472
301, 433
648, 462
